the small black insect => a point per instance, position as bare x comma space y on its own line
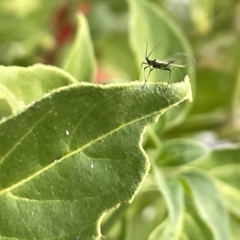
175, 60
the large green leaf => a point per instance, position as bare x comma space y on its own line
68, 158
152, 25
80, 61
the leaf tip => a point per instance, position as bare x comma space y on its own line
189, 89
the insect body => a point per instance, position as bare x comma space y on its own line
156, 64
176, 60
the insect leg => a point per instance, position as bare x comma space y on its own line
145, 79
169, 70
140, 70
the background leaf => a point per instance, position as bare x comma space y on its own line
80, 61
201, 14
150, 24
208, 202
178, 152
193, 226
223, 164
21, 86
24, 31
172, 192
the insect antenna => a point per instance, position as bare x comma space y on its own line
152, 49
148, 65
143, 62
146, 56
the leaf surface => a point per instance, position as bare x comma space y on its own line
77, 152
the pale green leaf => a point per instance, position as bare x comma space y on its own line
178, 152
220, 158
224, 164
172, 192
80, 61
208, 202
163, 231
193, 226
21, 86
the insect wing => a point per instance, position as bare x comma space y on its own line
180, 60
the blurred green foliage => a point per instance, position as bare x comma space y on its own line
188, 146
